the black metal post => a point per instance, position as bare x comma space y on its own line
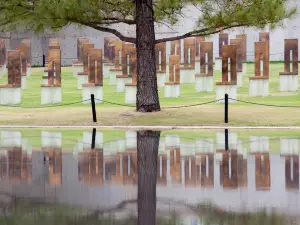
226, 140
226, 108
93, 138
44, 60
93, 108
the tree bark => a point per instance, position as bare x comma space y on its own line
147, 99
147, 146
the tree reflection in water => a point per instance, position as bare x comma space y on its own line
147, 147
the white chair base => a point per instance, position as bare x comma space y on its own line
288, 82
10, 139
258, 87
187, 76
51, 139
232, 140
51, 95
259, 144
205, 145
172, 90
244, 68
239, 81
121, 81
87, 139
10, 95
87, 91
187, 148
3, 70
229, 89
28, 71
113, 77
130, 94
172, 141
106, 68
23, 82
289, 146
161, 79
204, 83
130, 139
197, 67
82, 79
218, 64
77, 69
44, 80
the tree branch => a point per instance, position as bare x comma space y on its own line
195, 33
110, 30
109, 21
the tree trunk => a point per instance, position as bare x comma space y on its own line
147, 99
147, 146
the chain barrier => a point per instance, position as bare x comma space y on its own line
168, 107
48, 106
263, 104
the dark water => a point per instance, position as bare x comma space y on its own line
148, 177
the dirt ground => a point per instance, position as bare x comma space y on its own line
239, 115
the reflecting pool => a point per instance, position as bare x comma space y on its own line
146, 177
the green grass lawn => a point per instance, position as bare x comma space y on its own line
108, 114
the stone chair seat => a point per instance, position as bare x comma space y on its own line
82, 74
161, 71
171, 83
226, 83
213, 63
259, 153
237, 70
108, 63
259, 78
47, 71
92, 85
130, 150
130, 84
77, 63
203, 75
105, 60
10, 85
206, 153
232, 151
288, 73
123, 76
50, 85
44, 77
116, 69
187, 68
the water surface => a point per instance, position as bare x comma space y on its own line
187, 177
